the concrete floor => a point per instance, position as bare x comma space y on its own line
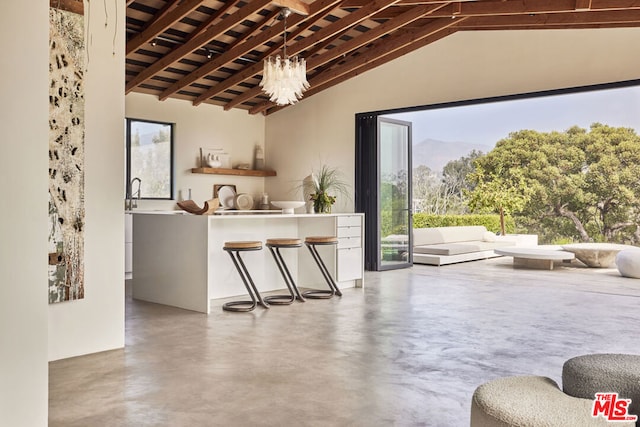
408, 350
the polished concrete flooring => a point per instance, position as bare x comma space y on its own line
408, 350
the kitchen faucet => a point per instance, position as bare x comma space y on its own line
131, 202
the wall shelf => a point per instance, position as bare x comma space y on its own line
238, 172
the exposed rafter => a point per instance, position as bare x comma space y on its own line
211, 51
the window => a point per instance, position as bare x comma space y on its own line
149, 159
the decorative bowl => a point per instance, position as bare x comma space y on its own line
287, 206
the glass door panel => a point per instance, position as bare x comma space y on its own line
394, 189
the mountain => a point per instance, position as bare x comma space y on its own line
435, 154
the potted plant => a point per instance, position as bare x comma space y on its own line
327, 181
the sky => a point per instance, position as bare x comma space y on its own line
485, 124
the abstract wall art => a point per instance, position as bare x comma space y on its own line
66, 150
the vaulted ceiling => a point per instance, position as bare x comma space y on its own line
210, 51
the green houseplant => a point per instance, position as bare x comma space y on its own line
327, 181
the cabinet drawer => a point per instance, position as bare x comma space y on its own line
349, 242
349, 231
349, 221
349, 264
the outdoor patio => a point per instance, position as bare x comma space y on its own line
409, 350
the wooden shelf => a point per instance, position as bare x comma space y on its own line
239, 172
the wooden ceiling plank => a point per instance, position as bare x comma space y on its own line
212, 19
198, 41
160, 23
318, 8
129, 2
296, 6
168, 7
384, 51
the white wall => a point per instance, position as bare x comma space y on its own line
204, 126
96, 323
24, 113
462, 66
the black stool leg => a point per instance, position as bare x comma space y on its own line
288, 280
244, 306
333, 288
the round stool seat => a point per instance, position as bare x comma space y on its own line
284, 242
245, 245
530, 401
584, 376
628, 263
321, 240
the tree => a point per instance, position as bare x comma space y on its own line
455, 182
581, 184
500, 191
442, 193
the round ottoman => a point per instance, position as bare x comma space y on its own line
531, 401
628, 262
584, 376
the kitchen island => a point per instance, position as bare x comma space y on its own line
178, 260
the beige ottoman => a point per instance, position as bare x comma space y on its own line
628, 263
531, 401
584, 376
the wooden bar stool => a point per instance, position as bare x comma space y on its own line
234, 249
274, 246
311, 243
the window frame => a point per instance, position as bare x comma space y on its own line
128, 177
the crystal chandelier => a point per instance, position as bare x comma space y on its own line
284, 79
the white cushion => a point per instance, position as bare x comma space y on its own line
489, 236
438, 235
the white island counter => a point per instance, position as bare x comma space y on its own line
178, 259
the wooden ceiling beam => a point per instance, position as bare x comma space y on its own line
296, 6
361, 3
355, 43
526, 7
409, 16
389, 48
583, 5
197, 42
356, 71
318, 8
565, 20
74, 6
163, 20
342, 24
211, 20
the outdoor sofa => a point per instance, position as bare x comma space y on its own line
448, 245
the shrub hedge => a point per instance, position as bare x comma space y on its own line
491, 222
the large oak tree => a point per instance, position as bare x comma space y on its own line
578, 184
